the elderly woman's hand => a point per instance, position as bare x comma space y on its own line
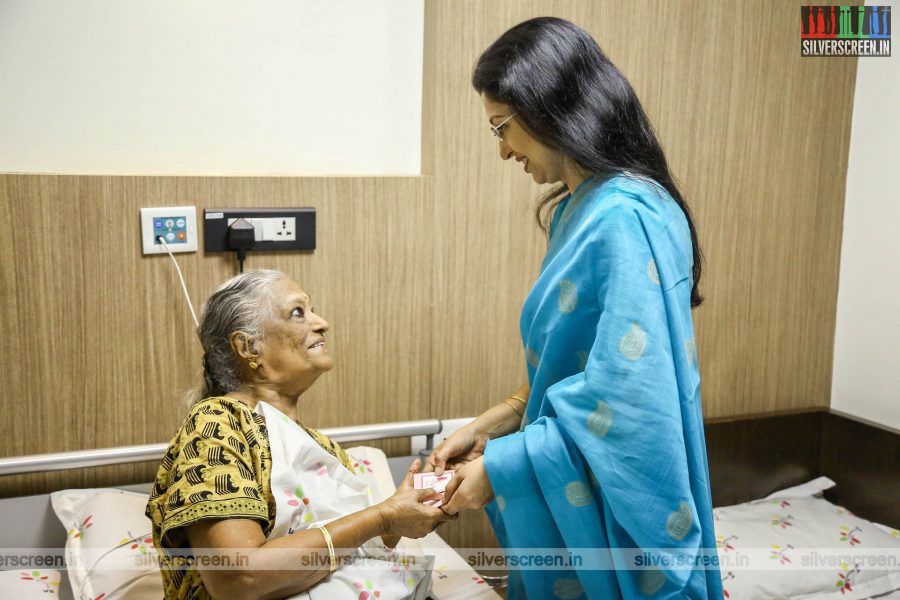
406, 514
408, 481
406, 505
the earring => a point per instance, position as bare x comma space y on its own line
253, 364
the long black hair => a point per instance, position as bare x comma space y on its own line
571, 98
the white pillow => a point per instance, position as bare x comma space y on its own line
795, 545
30, 584
109, 548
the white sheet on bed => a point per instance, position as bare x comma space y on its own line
795, 544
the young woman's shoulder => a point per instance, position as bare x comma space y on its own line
636, 193
636, 217
634, 199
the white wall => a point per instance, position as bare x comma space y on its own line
237, 87
867, 341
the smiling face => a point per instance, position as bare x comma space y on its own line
543, 164
292, 351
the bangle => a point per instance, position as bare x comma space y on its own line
524, 403
512, 406
332, 559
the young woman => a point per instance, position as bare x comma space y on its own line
602, 448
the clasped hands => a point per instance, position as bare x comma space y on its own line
463, 452
407, 512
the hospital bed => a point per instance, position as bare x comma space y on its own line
816, 475
30, 523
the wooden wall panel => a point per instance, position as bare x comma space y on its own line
758, 137
101, 342
423, 278
860, 457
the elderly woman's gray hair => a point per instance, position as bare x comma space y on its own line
239, 304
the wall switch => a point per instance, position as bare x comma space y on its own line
176, 224
273, 228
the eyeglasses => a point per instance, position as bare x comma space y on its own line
497, 129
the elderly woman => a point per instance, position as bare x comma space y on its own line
243, 475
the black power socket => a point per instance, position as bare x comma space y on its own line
216, 221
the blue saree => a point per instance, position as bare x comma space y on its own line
611, 454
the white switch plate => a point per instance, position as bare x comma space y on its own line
178, 224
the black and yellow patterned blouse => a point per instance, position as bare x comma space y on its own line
218, 466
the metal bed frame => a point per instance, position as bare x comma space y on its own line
57, 461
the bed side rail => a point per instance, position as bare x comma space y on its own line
58, 461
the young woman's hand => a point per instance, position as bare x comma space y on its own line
465, 445
469, 488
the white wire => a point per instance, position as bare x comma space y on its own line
180, 277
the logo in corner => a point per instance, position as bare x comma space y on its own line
845, 30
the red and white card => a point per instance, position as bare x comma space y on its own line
422, 481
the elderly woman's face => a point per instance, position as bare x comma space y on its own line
292, 350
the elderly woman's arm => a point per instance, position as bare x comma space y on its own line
293, 563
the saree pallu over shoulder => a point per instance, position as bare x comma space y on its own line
611, 460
